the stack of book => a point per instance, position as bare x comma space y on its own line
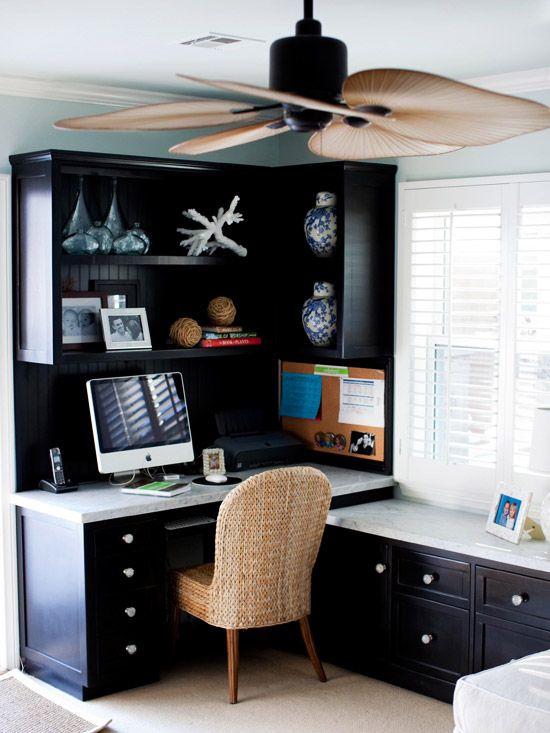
216, 336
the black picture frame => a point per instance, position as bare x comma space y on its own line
129, 288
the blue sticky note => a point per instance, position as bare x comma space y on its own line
301, 395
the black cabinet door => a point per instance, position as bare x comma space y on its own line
350, 588
498, 641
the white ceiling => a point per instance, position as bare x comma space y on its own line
129, 44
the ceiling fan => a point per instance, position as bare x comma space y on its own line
377, 113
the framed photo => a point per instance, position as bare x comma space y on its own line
127, 288
81, 319
213, 461
125, 328
508, 513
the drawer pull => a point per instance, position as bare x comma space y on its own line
429, 578
380, 568
427, 638
130, 611
129, 572
131, 649
128, 538
519, 598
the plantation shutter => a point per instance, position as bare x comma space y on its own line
454, 322
532, 327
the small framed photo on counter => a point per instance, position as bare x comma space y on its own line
213, 461
125, 328
508, 513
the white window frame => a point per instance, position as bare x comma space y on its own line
466, 487
9, 646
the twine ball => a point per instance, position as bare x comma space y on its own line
185, 332
221, 311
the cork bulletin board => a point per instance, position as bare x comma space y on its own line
338, 410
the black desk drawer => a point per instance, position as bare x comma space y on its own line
124, 538
120, 573
129, 651
431, 576
514, 597
430, 637
130, 610
498, 641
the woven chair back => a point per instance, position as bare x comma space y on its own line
268, 534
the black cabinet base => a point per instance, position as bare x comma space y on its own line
416, 681
46, 673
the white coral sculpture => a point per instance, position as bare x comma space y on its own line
198, 240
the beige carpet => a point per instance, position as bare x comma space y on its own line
278, 693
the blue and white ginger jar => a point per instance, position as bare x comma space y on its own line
319, 314
320, 225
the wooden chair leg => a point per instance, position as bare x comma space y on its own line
233, 663
310, 646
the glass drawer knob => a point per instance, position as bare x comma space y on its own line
130, 611
129, 572
519, 598
380, 568
427, 638
429, 578
128, 538
131, 649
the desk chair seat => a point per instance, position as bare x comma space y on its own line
268, 534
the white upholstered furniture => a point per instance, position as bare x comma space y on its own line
511, 698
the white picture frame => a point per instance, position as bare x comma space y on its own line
125, 328
81, 319
508, 513
213, 461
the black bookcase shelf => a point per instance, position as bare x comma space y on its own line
167, 354
153, 260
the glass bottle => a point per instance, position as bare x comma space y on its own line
114, 221
80, 218
80, 243
103, 235
138, 231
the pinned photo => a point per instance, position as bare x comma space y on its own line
363, 444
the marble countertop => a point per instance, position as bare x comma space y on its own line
443, 529
97, 501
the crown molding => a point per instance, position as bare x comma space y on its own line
532, 80
13, 86
76, 92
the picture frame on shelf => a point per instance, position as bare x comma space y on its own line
508, 513
128, 288
81, 319
213, 461
125, 328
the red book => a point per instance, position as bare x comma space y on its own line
251, 341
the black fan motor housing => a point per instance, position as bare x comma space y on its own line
312, 65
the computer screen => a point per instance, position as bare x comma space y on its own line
139, 421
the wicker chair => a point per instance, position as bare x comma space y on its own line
268, 534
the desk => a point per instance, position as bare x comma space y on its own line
92, 577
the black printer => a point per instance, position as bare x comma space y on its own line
247, 444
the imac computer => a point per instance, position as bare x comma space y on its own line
139, 422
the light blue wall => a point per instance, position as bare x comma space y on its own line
27, 125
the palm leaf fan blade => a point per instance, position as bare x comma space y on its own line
165, 116
343, 142
439, 110
229, 138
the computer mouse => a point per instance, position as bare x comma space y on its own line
216, 478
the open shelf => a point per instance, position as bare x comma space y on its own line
78, 357
179, 260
